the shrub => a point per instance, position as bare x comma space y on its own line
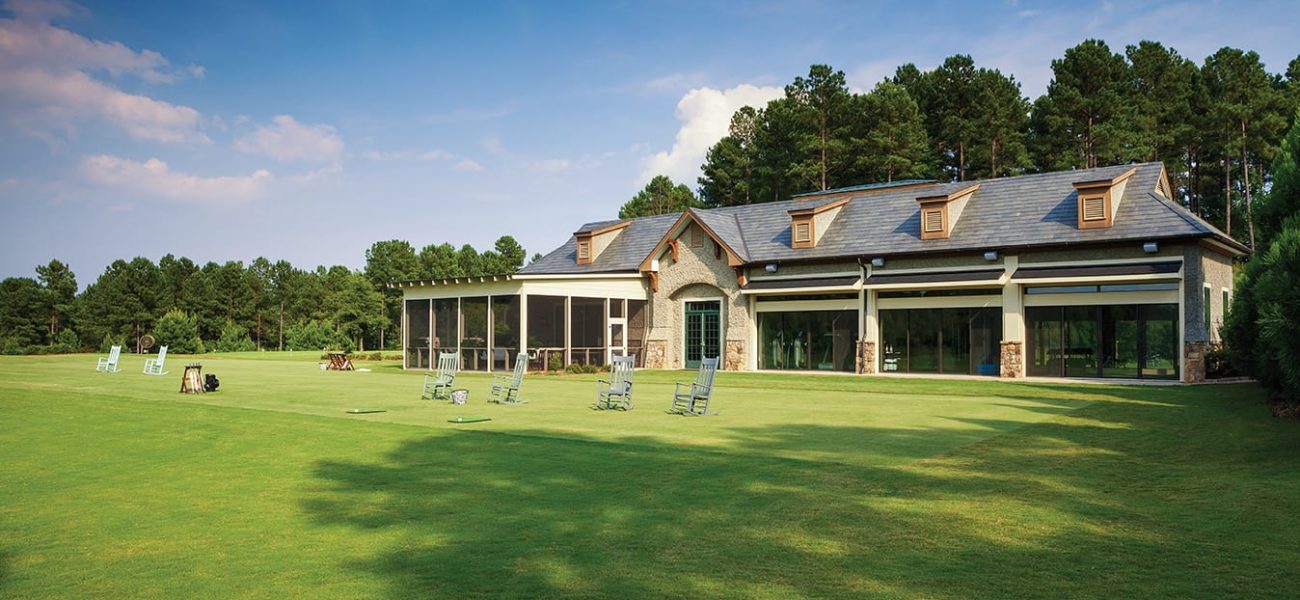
10, 346
234, 338
313, 335
1262, 336
179, 332
575, 368
68, 338
111, 340
375, 356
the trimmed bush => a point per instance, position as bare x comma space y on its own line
179, 332
313, 335
234, 339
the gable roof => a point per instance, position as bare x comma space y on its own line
1004, 213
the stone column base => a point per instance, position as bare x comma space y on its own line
1013, 360
866, 363
1194, 361
734, 355
656, 354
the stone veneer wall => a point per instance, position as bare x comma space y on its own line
1013, 360
1194, 362
697, 274
866, 357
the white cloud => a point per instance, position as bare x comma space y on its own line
550, 165
286, 139
154, 179
705, 114
52, 84
467, 165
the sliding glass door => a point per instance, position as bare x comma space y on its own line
941, 340
1134, 341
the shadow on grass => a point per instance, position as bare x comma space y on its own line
1056, 509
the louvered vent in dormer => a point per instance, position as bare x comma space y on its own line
939, 213
1094, 208
1099, 200
808, 225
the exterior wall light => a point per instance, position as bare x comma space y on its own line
1150, 247
770, 268
991, 255
878, 262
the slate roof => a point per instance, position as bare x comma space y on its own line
1008, 212
624, 254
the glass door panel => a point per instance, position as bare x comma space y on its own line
702, 329
956, 340
1045, 346
1119, 341
893, 338
1160, 340
1081, 341
923, 335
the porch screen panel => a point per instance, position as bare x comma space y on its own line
418, 346
474, 333
445, 324
546, 331
638, 318
505, 332
587, 331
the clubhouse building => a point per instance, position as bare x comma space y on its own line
1090, 273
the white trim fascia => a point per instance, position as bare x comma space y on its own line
857, 274
938, 285
1101, 298
807, 305
1098, 263
1098, 280
580, 276
945, 302
990, 266
804, 290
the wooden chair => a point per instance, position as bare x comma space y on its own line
109, 364
693, 399
437, 385
154, 366
505, 388
617, 391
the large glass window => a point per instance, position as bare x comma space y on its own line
587, 331
941, 340
505, 332
1129, 341
822, 340
417, 334
474, 333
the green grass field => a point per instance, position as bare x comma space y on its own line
801, 487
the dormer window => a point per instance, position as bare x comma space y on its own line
591, 242
939, 213
807, 225
1099, 200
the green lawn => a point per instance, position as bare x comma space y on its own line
807, 486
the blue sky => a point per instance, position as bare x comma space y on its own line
307, 131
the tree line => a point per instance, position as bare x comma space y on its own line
1215, 125
262, 305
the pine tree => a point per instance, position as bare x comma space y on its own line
1085, 118
894, 145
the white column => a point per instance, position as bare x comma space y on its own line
523, 324
403, 334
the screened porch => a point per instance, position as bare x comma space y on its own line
489, 331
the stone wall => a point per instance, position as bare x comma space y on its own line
1013, 360
866, 363
655, 355
699, 272
1194, 362
734, 355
